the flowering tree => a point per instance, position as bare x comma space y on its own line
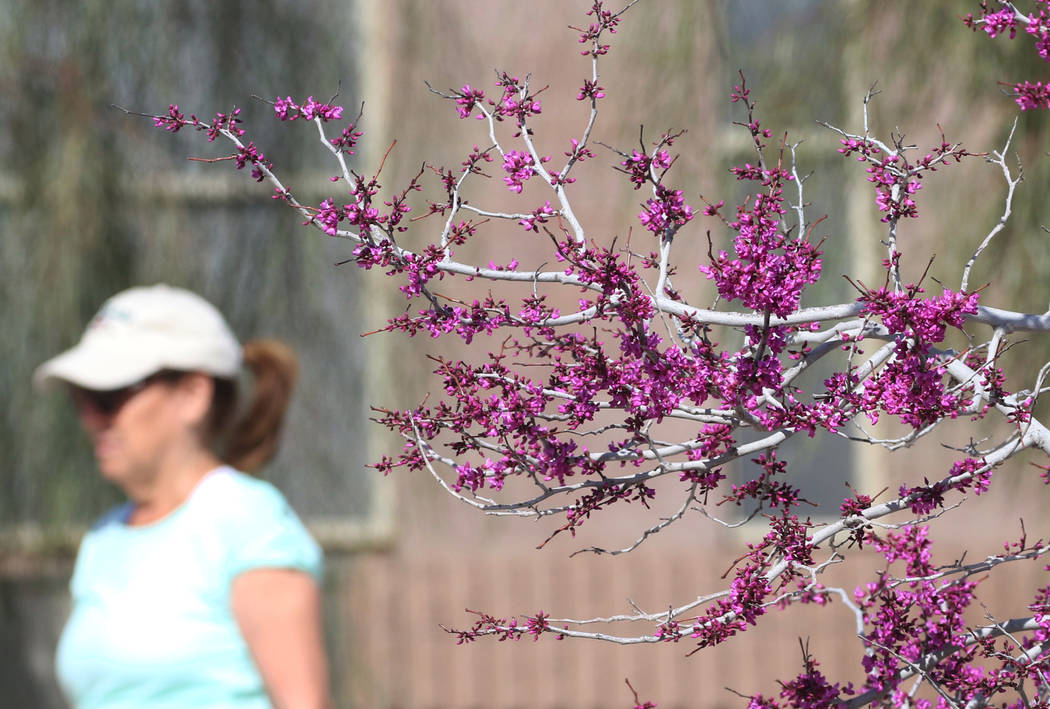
592, 380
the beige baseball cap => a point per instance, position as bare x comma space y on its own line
139, 332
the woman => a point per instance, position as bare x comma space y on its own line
202, 590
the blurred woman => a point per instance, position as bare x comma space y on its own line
202, 590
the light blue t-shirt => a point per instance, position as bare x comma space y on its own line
152, 625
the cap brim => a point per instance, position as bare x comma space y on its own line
93, 367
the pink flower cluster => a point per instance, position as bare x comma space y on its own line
896, 179
908, 620
362, 214
775, 494
920, 619
604, 21
348, 140
1039, 27
911, 385
288, 110
731, 615
923, 319
250, 155
467, 99
639, 166
1028, 95
810, 690
175, 120
995, 23
666, 212
770, 269
1032, 95
577, 153
591, 91
519, 167
538, 216
505, 628
515, 102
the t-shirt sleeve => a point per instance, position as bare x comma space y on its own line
265, 533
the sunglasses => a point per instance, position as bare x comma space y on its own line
109, 401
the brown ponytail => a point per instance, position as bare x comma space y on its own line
252, 439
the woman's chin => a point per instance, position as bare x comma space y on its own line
110, 469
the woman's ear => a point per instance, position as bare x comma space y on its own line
196, 391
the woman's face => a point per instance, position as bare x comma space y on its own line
138, 430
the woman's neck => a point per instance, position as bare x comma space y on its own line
168, 488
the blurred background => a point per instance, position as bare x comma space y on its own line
93, 200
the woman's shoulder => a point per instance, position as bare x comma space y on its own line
233, 490
259, 526
241, 505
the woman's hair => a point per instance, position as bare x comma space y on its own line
248, 438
